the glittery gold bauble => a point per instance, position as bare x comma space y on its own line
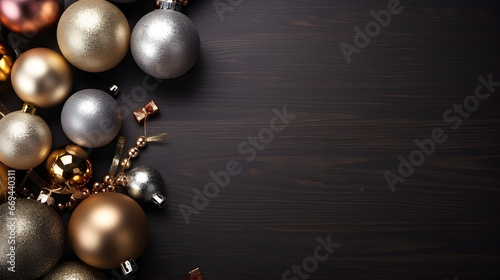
69, 168
107, 229
74, 271
38, 233
25, 140
41, 77
4, 187
93, 35
7, 58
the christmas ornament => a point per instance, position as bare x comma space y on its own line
28, 17
108, 229
32, 239
165, 43
41, 77
74, 271
4, 184
69, 168
25, 140
91, 118
145, 185
93, 35
195, 274
7, 58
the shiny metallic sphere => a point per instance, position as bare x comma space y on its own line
165, 44
145, 185
91, 118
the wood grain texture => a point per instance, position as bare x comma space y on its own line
324, 173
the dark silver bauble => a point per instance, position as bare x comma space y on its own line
36, 233
145, 185
91, 118
165, 44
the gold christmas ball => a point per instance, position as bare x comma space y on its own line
69, 168
7, 58
93, 35
25, 140
74, 271
107, 229
41, 77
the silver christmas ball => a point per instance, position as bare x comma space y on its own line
74, 271
25, 140
165, 44
32, 239
145, 185
91, 118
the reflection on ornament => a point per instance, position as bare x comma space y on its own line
4, 187
39, 235
108, 229
165, 43
41, 77
25, 140
7, 58
27, 17
74, 271
91, 118
68, 169
145, 185
93, 35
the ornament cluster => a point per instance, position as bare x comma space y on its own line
108, 227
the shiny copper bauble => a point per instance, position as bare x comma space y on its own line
28, 17
107, 229
69, 168
7, 58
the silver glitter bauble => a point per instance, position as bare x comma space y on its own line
165, 44
145, 185
74, 271
32, 239
91, 118
25, 140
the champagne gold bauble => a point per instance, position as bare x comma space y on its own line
69, 168
7, 58
74, 271
42, 77
27, 17
38, 233
107, 229
25, 140
93, 35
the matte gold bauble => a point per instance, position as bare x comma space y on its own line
27, 17
93, 35
107, 229
69, 168
25, 140
42, 77
74, 271
7, 58
39, 236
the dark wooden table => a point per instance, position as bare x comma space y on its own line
322, 174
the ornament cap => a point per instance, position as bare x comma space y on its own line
29, 109
129, 267
174, 5
159, 200
113, 90
46, 199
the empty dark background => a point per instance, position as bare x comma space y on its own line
323, 174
